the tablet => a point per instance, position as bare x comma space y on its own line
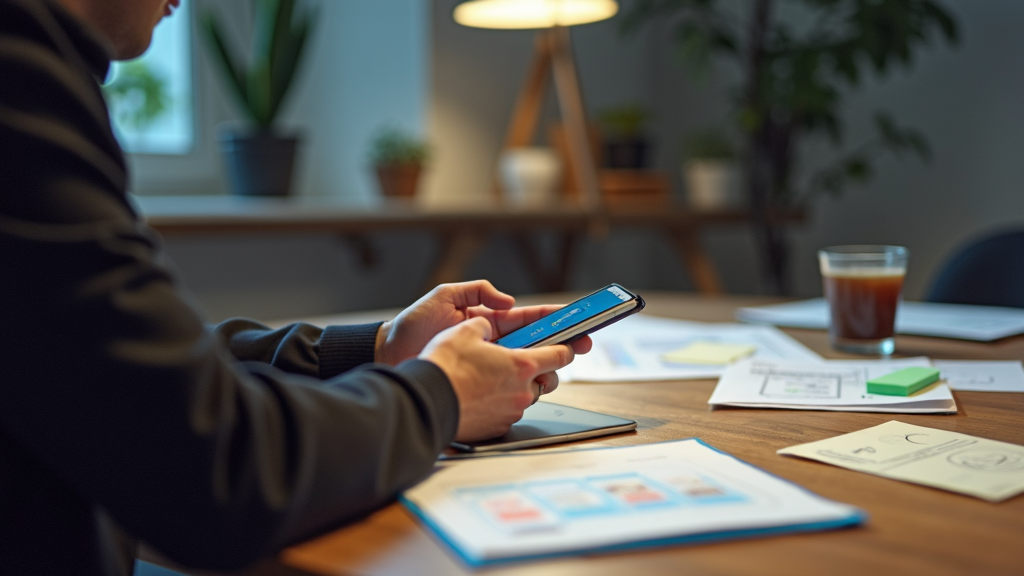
546, 423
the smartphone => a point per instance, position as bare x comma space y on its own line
588, 314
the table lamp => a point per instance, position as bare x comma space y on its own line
553, 54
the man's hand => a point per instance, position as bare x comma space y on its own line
494, 384
448, 305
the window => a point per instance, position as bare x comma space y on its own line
150, 98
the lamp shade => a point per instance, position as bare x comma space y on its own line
520, 14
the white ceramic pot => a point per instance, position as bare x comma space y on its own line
530, 176
713, 185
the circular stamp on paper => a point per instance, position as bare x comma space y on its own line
988, 459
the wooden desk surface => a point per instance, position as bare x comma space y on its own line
911, 529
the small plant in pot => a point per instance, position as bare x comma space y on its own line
259, 159
399, 159
711, 172
625, 145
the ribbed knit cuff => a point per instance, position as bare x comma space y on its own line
342, 348
438, 390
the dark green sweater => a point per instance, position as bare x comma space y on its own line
122, 416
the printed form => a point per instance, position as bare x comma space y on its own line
987, 469
839, 385
611, 498
640, 348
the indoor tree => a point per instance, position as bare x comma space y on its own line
797, 59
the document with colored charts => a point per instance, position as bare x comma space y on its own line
839, 385
604, 499
986, 469
645, 348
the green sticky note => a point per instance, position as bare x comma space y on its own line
708, 353
903, 382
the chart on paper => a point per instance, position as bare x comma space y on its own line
524, 506
827, 385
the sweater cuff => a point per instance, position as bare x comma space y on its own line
343, 348
439, 391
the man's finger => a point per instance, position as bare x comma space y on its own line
479, 327
480, 292
510, 320
582, 345
548, 382
548, 358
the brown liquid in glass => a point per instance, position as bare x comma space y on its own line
863, 306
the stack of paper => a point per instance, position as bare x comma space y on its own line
981, 323
967, 464
547, 505
830, 385
644, 348
982, 375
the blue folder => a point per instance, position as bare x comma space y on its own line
854, 519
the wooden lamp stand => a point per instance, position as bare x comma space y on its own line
553, 55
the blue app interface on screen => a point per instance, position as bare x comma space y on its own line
569, 316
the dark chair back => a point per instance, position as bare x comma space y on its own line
988, 272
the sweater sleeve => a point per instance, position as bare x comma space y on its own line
302, 348
113, 382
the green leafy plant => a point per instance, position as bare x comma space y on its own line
796, 59
625, 122
137, 96
710, 144
392, 147
279, 40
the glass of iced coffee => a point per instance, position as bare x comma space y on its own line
863, 286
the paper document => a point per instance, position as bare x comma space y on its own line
611, 498
970, 465
633, 349
981, 323
830, 385
709, 353
982, 376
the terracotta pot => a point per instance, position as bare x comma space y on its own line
399, 180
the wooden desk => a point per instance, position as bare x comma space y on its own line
463, 231
911, 529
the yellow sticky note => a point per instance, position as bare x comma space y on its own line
709, 353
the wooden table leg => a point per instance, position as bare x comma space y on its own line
458, 248
553, 278
366, 255
696, 261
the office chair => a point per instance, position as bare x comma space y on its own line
988, 272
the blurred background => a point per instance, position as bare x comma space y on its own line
408, 67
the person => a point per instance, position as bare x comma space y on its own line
123, 418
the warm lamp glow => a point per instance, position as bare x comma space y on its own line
533, 13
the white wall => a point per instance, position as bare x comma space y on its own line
366, 67
966, 99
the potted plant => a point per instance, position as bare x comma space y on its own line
398, 159
711, 172
796, 61
137, 96
625, 145
259, 158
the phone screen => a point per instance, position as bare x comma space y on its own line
565, 318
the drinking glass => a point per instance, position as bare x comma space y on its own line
863, 285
